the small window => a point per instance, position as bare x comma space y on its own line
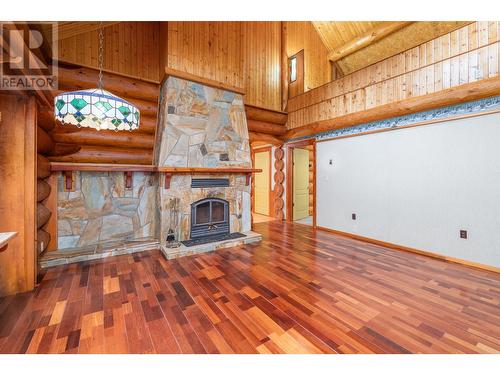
293, 68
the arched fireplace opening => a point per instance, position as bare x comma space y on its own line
209, 217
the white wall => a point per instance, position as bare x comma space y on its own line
417, 187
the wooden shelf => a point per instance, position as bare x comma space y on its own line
5, 238
91, 167
207, 170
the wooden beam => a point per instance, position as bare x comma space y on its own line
87, 136
266, 127
62, 149
42, 167
267, 115
45, 118
76, 77
261, 139
366, 39
44, 142
111, 155
42, 190
454, 95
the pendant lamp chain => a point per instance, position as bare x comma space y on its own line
101, 55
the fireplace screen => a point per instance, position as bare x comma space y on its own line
209, 216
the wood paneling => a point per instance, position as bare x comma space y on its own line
325, 294
244, 55
410, 36
261, 62
364, 40
335, 34
18, 192
130, 48
68, 29
303, 35
211, 50
466, 55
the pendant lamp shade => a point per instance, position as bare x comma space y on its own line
97, 109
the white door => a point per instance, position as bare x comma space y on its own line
262, 161
300, 183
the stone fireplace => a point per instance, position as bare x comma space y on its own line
202, 133
197, 192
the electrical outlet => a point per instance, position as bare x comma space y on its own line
353, 216
331, 162
463, 234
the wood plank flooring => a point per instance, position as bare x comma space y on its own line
299, 291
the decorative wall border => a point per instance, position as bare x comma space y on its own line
444, 113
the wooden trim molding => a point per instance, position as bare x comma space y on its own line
169, 72
417, 124
412, 250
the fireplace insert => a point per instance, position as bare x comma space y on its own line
209, 217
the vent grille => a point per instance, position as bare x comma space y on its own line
209, 182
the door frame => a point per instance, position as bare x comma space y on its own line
289, 177
271, 201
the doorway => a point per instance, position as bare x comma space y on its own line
262, 182
301, 177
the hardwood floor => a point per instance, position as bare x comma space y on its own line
299, 291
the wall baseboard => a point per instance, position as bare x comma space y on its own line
412, 250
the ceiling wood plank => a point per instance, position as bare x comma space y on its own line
68, 29
377, 33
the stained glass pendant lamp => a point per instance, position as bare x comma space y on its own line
96, 108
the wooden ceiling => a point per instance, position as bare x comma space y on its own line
335, 34
68, 29
354, 45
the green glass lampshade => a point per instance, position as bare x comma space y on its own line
97, 109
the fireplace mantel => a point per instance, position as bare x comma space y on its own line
67, 168
173, 170
60, 166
